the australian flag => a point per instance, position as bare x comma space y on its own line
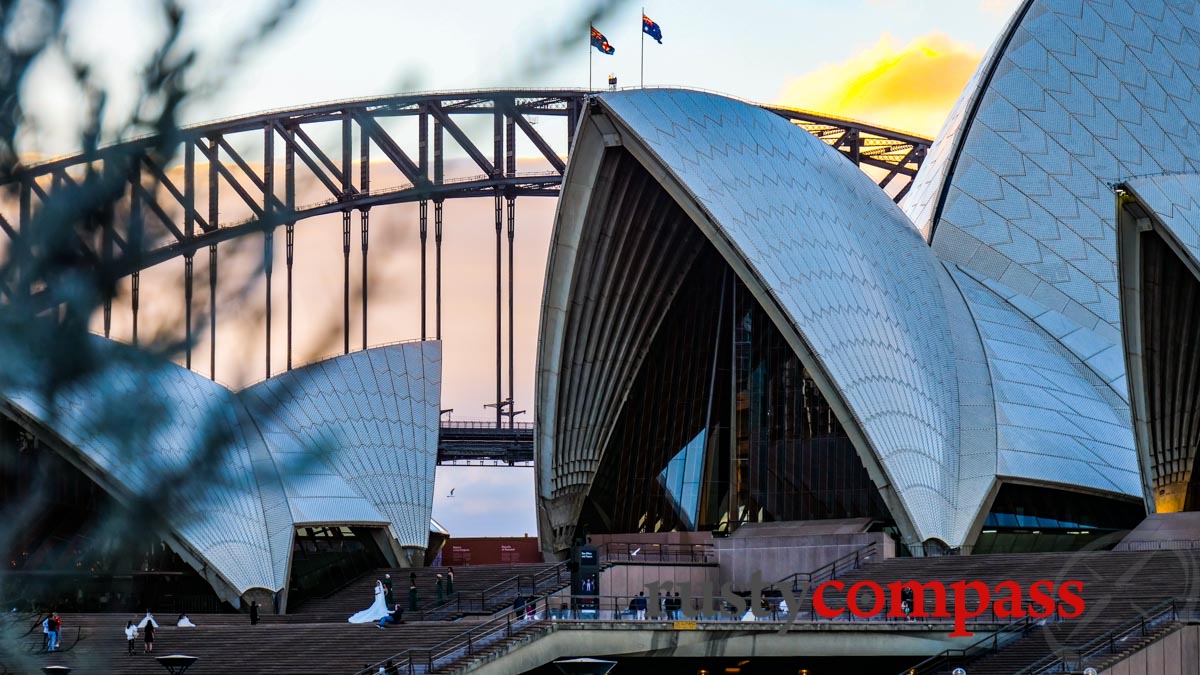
650, 28
600, 42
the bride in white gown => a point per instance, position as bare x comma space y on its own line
376, 611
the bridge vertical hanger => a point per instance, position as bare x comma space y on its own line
438, 177
24, 282
510, 167
346, 233
497, 171
136, 228
289, 190
213, 218
269, 232
364, 215
189, 229
106, 253
134, 293
423, 207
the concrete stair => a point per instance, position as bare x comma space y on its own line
479, 589
1118, 587
227, 644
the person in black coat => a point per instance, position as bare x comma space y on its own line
254, 613
412, 596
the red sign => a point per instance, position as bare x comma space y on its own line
491, 551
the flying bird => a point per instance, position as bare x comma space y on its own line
451, 495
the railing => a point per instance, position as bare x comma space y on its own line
1117, 640
620, 551
1165, 545
562, 608
493, 597
847, 563
419, 660
988, 645
483, 424
718, 610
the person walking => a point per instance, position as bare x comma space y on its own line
412, 594
131, 635
440, 590
45, 633
55, 627
254, 613
641, 605
148, 636
906, 602
450, 583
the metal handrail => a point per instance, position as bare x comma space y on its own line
986, 645
483, 424
1161, 545
496, 595
423, 659
611, 551
1168, 610
849, 562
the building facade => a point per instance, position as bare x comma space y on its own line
740, 326
251, 490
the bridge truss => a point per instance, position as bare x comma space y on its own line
264, 157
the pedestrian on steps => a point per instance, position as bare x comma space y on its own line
131, 635
412, 594
254, 613
440, 590
148, 636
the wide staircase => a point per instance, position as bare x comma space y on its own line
227, 643
478, 590
1118, 588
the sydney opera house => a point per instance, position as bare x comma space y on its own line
252, 490
740, 326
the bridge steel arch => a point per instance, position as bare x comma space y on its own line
167, 218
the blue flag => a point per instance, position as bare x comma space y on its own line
650, 28
600, 42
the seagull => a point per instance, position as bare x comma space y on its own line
635, 551
451, 495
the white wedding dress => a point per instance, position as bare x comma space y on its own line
376, 611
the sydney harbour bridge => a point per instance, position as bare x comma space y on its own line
335, 146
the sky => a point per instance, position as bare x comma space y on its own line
894, 63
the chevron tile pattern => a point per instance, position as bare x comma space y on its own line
858, 283
1085, 93
1175, 200
373, 418
348, 440
1056, 421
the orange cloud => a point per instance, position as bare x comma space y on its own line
910, 87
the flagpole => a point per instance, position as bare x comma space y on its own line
590, 29
643, 27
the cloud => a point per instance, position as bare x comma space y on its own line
910, 87
998, 7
